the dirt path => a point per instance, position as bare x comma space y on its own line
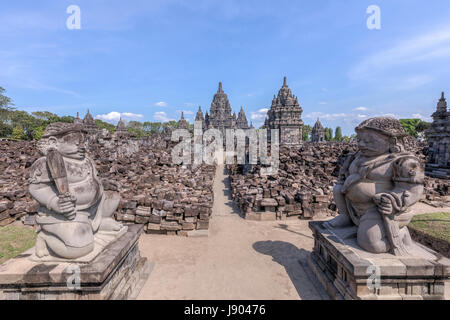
239, 260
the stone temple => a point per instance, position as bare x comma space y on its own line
439, 141
318, 132
220, 115
285, 115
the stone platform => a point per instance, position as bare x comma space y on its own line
118, 272
346, 271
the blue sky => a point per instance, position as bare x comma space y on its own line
149, 60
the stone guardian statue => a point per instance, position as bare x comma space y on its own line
376, 188
75, 215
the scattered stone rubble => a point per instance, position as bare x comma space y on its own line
171, 199
168, 198
303, 187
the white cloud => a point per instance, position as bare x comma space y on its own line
115, 116
428, 46
361, 109
260, 115
161, 104
189, 104
421, 117
413, 82
186, 112
323, 102
161, 116
328, 116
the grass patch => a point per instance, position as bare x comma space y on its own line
14, 240
434, 224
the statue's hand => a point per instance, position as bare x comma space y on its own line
111, 185
64, 205
384, 204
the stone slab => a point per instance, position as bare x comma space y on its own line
344, 268
261, 216
115, 272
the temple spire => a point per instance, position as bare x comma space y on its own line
284, 82
442, 96
220, 87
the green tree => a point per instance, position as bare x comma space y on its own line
338, 134
5, 130
5, 102
26, 121
39, 132
422, 126
18, 133
105, 125
410, 125
328, 134
306, 132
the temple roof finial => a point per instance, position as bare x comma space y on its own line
442, 96
220, 87
285, 82
182, 115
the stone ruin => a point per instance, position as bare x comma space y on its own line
285, 115
318, 132
220, 116
438, 135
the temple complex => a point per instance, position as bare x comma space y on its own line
318, 132
241, 122
285, 115
438, 136
183, 124
89, 124
199, 117
220, 116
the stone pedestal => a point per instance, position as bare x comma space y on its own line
118, 272
348, 272
261, 216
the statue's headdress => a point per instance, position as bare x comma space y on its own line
387, 126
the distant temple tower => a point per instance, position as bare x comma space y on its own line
285, 115
121, 127
318, 132
438, 136
182, 123
220, 116
89, 124
241, 122
199, 117
121, 131
78, 120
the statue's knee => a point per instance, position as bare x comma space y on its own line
337, 190
371, 238
58, 247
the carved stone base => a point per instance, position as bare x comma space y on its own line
261, 216
118, 272
348, 272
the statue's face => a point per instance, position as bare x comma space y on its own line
371, 143
72, 145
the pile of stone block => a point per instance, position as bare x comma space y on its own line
167, 198
302, 187
15, 159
